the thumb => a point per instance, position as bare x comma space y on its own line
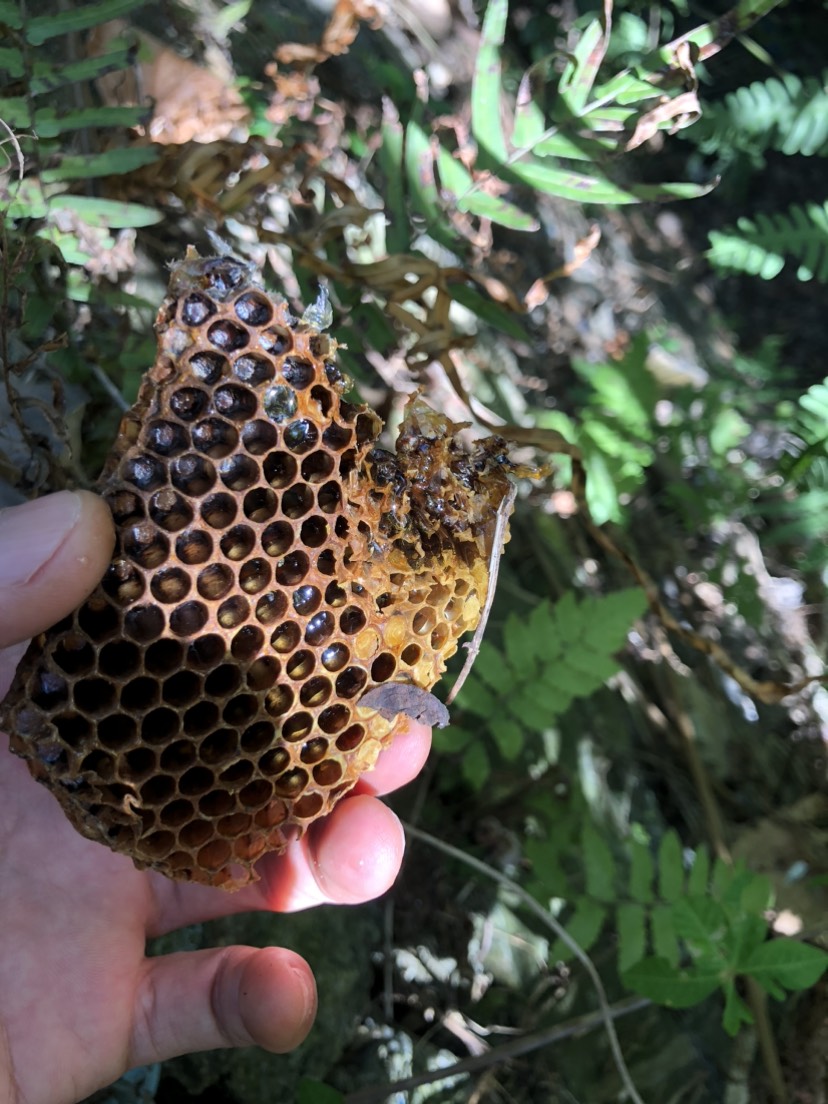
229, 997
53, 552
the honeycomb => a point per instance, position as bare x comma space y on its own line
272, 566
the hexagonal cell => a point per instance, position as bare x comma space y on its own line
145, 545
297, 500
247, 643
279, 403
238, 542
301, 436
219, 510
255, 576
188, 403
259, 504
209, 367
238, 472
215, 437
277, 538
166, 438
239, 404
170, 584
170, 510
253, 370
193, 475
259, 437
298, 372
253, 308
292, 569
227, 336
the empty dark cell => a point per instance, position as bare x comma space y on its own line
329, 497
214, 581
145, 472
223, 681
280, 469
306, 600
334, 718
291, 783
270, 607
317, 467
296, 501
196, 309
308, 806
236, 773
326, 562
298, 372
335, 596
214, 855
94, 695
335, 657
280, 403
276, 340
341, 527
219, 747
126, 506
177, 813
300, 665
314, 532
171, 584
117, 732
195, 781
319, 628
216, 803
301, 436
347, 463
139, 695
194, 548
219, 510
178, 756
73, 729
247, 643
119, 659
123, 583
253, 370
169, 510
163, 657
327, 773
255, 575
192, 475
195, 833
411, 654
214, 437
315, 692
236, 403
297, 727
233, 612
158, 844
285, 638
145, 545
227, 336
137, 764
200, 718
206, 651
256, 793
263, 672
259, 437
259, 504
368, 426
50, 690
319, 345
336, 437
238, 472
348, 411
100, 763
254, 309
278, 701
438, 637
274, 761
182, 689
208, 367
224, 275
238, 542
144, 623
314, 750
257, 737
277, 538
350, 682
188, 403
384, 600
383, 667
160, 726
180, 862
188, 619
323, 398
351, 738
167, 438
292, 569
423, 621
74, 654
157, 790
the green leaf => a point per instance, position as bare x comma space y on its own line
486, 82
735, 1011
508, 735
584, 926
488, 666
670, 867
109, 213
390, 157
44, 27
630, 924
580, 72
451, 740
786, 963
669, 985
641, 872
475, 765
599, 866
699, 874
48, 78
758, 895
521, 646
701, 922
11, 15
48, 124
478, 699
315, 1092
11, 61
663, 934
498, 210
113, 163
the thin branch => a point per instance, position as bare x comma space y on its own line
548, 920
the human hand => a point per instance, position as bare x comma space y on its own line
79, 1001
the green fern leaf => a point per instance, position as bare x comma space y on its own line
641, 872
79, 18
762, 247
630, 925
670, 867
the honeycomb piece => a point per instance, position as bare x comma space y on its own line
272, 565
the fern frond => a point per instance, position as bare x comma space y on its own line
762, 247
788, 114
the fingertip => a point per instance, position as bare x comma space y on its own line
277, 999
357, 851
400, 762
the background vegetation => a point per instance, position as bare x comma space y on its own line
599, 231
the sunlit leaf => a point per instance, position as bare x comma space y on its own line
487, 126
77, 18
786, 964
112, 163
